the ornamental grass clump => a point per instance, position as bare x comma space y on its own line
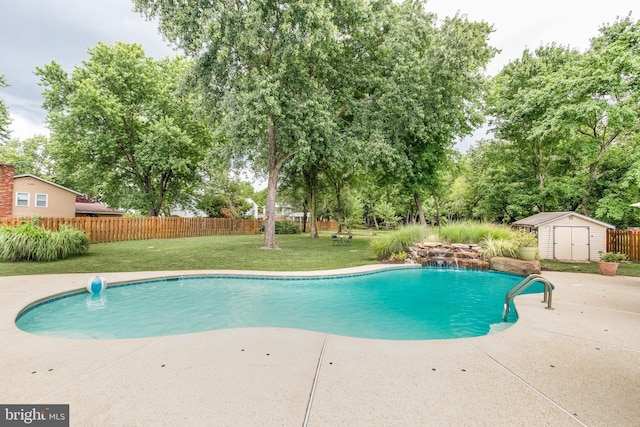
395, 242
498, 248
473, 232
523, 238
28, 242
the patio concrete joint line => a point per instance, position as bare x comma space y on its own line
315, 382
544, 396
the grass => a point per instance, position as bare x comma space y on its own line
473, 232
624, 269
298, 252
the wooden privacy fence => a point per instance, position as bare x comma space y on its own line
102, 230
624, 241
323, 226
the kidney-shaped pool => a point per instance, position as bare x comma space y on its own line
397, 304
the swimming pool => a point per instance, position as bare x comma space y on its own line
397, 304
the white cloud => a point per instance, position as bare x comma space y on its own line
23, 127
525, 24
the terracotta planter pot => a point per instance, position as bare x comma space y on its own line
608, 268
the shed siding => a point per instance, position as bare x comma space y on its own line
545, 241
597, 236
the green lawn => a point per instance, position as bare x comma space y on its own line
298, 253
624, 269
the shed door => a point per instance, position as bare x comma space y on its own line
571, 243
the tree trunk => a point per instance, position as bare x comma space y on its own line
339, 206
311, 179
373, 214
416, 198
314, 201
305, 209
604, 143
272, 189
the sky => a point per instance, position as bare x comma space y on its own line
35, 32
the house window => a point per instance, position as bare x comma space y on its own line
42, 200
22, 199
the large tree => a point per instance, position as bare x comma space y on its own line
603, 103
427, 92
527, 95
123, 127
557, 114
266, 63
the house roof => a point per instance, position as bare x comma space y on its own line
96, 208
28, 175
543, 218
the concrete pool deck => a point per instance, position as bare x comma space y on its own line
576, 365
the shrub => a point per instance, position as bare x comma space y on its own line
397, 241
399, 257
284, 227
387, 213
612, 256
28, 242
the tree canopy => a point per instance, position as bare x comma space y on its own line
125, 128
28, 156
282, 73
427, 92
267, 65
567, 129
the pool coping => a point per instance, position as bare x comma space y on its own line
578, 364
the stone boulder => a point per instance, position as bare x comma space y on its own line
515, 266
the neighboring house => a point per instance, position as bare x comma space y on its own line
28, 195
283, 213
567, 236
255, 210
186, 212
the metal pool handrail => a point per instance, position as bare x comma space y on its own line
524, 284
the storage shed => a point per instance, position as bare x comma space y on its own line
567, 236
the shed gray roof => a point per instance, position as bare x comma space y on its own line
546, 217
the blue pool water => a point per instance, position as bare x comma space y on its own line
398, 304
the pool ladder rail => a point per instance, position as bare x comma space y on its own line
524, 284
